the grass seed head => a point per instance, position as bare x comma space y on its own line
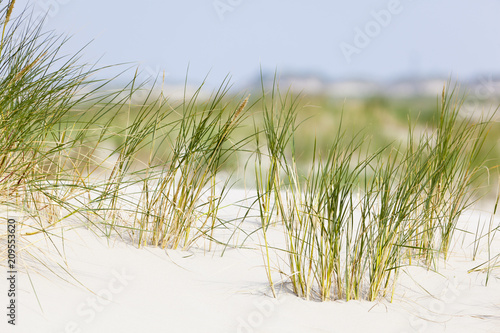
9, 11
241, 107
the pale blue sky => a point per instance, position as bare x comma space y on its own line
422, 37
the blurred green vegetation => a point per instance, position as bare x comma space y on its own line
383, 121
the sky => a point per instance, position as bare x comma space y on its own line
367, 39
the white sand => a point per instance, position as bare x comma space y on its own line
119, 288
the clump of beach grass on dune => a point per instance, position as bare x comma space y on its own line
356, 217
172, 209
38, 88
170, 198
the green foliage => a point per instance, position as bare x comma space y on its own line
409, 196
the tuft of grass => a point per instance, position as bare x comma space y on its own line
356, 218
173, 212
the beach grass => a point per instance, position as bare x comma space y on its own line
410, 197
352, 209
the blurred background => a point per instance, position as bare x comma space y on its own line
316, 42
377, 62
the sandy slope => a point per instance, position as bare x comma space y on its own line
116, 287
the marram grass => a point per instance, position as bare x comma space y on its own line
151, 172
356, 218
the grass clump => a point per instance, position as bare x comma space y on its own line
171, 198
171, 204
355, 218
38, 88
